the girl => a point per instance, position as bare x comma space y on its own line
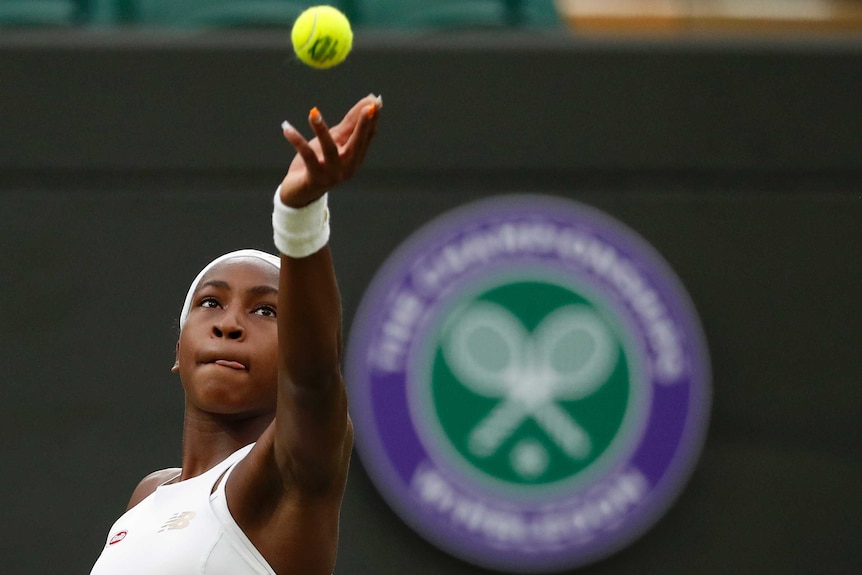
267, 437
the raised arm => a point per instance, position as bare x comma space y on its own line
286, 494
313, 434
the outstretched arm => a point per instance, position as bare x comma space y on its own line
313, 435
286, 494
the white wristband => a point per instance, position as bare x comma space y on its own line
300, 232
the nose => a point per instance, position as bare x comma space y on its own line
227, 326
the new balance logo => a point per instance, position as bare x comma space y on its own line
178, 521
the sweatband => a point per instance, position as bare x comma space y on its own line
300, 232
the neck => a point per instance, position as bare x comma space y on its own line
209, 438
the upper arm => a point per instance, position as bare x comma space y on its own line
290, 510
314, 437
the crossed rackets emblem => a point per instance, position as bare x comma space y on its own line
567, 357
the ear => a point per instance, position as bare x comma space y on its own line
176, 366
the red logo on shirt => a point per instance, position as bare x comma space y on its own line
118, 537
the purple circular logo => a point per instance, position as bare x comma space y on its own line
530, 384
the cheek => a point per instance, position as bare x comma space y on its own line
268, 357
184, 354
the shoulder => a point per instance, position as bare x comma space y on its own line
149, 484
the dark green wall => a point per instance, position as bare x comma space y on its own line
128, 160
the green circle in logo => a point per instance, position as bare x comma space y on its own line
530, 383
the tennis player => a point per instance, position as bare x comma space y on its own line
267, 437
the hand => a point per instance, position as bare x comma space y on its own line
332, 156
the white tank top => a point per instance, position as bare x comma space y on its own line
183, 529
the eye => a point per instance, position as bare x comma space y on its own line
265, 311
209, 302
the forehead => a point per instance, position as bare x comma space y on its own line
242, 270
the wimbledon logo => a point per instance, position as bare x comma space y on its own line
530, 384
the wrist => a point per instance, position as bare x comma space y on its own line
300, 232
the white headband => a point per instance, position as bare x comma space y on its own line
248, 253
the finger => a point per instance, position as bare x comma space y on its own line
301, 145
364, 134
291, 134
374, 118
327, 145
368, 100
355, 113
348, 124
360, 141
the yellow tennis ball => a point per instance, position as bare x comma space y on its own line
322, 36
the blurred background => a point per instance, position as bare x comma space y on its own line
140, 138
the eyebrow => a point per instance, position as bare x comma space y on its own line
254, 290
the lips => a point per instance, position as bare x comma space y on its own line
231, 364
223, 358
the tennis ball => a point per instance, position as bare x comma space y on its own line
322, 37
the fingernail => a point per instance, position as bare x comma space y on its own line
377, 99
371, 110
316, 116
286, 127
